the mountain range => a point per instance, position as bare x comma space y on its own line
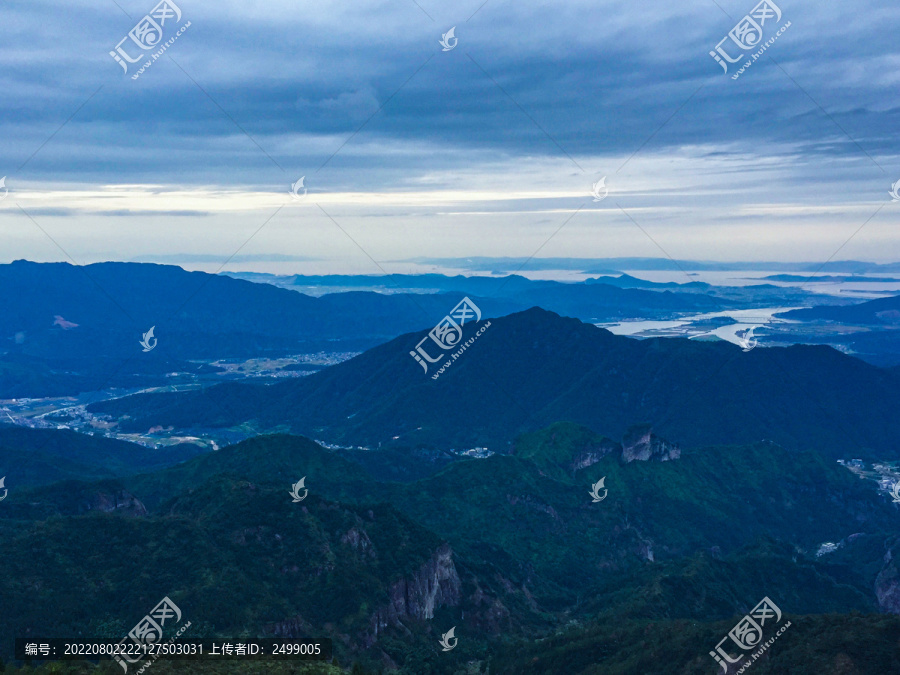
533, 368
44, 456
511, 550
564, 499
70, 329
881, 311
616, 265
867, 329
594, 298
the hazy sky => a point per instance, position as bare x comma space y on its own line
487, 149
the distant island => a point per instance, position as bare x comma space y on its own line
836, 279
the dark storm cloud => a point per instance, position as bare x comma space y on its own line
526, 80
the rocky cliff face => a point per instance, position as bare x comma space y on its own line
573, 447
592, 454
887, 584
416, 597
294, 627
120, 501
642, 445
358, 539
435, 584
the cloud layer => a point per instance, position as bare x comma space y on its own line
483, 150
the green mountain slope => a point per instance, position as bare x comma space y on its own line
42, 456
238, 558
271, 459
523, 512
510, 549
723, 496
812, 645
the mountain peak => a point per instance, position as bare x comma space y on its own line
530, 369
573, 447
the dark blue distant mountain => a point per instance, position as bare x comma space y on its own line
616, 265
628, 281
503, 286
830, 278
535, 367
883, 311
66, 329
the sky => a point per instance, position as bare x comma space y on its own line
410, 150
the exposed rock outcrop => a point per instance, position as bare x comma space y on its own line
572, 447
358, 540
294, 627
120, 501
485, 612
887, 585
592, 454
434, 584
641, 444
